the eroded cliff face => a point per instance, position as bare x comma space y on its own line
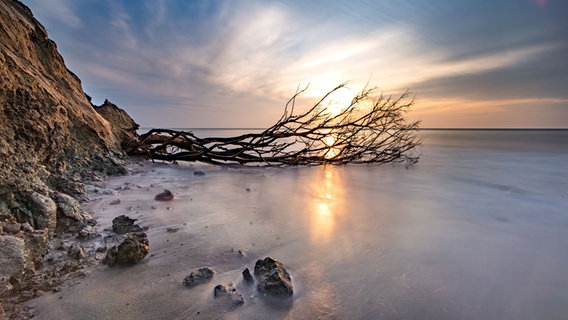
52, 140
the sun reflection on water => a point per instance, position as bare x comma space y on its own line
325, 208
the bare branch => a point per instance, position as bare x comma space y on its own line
369, 129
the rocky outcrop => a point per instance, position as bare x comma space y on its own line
52, 142
122, 125
132, 250
273, 278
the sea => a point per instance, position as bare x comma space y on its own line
477, 229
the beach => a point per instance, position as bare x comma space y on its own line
475, 230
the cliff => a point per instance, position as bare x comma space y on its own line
52, 141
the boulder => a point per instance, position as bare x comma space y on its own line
273, 278
70, 215
69, 207
45, 211
132, 250
198, 276
167, 195
124, 224
12, 256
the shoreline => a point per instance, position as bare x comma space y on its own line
171, 237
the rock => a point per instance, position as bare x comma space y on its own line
198, 173
167, 195
70, 215
88, 232
247, 276
122, 125
12, 227
132, 250
12, 256
229, 295
115, 202
45, 211
76, 251
172, 229
69, 207
273, 278
123, 224
198, 276
37, 246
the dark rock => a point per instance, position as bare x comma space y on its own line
273, 278
229, 295
247, 276
124, 224
115, 202
172, 229
132, 250
167, 195
198, 173
218, 290
198, 276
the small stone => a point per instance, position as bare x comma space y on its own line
198, 276
198, 173
247, 276
115, 202
166, 195
247, 189
172, 230
228, 296
153, 207
219, 289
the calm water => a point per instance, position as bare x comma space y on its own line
478, 229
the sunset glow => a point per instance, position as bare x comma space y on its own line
235, 64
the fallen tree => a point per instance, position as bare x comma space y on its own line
369, 129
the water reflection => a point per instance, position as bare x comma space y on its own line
326, 205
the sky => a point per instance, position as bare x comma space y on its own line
235, 63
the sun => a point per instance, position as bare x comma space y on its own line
338, 101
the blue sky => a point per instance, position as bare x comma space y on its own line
178, 63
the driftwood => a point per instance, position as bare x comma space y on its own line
370, 129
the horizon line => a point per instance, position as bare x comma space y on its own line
430, 128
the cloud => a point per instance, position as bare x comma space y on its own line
59, 10
224, 60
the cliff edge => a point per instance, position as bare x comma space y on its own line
52, 141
